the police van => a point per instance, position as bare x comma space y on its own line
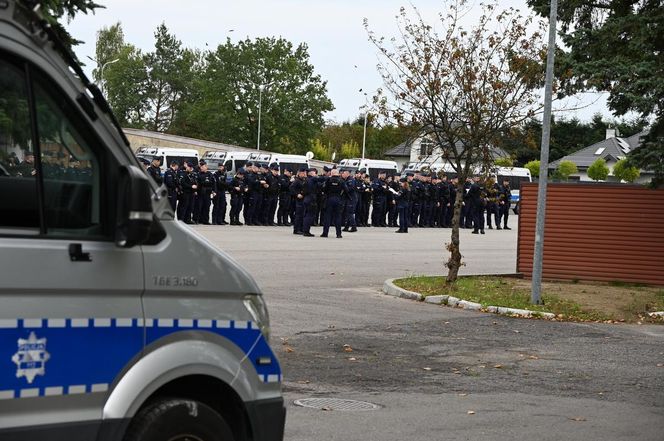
116, 321
167, 155
233, 161
292, 162
372, 166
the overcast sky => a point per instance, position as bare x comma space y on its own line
332, 29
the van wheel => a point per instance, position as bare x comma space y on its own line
178, 420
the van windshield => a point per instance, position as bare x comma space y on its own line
373, 172
293, 166
180, 160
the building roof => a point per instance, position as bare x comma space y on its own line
402, 149
615, 148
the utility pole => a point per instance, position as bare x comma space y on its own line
364, 137
535, 297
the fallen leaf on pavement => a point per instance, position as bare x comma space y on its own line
462, 395
352, 359
660, 364
533, 357
289, 349
427, 368
347, 348
303, 382
578, 419
471, 412
517, 331
498, 366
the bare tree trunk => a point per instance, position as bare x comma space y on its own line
454, 262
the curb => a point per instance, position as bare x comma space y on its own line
391, 289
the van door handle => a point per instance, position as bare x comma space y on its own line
76, 253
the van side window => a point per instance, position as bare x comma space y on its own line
72, 170
19, 204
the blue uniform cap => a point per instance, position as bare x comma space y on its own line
302, 169
326, 168
240, 171
404, 179
202, 162
265, 166
249, 164
411, 174
312, 169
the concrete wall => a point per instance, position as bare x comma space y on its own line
605, 232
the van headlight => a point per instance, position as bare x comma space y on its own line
258, 310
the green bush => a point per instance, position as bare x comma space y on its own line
505, 162
566, 169
598, 170
623, 171
534, 167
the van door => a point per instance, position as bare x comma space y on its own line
70, 314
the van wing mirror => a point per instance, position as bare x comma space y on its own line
135, 215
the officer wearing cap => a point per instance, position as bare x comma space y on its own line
283, 184
297, 192
171, 182
311, 194
416, 194
250, 196
505, 202
154, 171
402, 199
271, 194
319, 219
350, 222
219, 200
237, 189
189, 185
365, 200
206, 186
335, 189
379, 191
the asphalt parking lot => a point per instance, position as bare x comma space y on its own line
438, 373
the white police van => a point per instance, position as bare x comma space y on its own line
292, 162
233, 161
116, 321
167, 155
372, 166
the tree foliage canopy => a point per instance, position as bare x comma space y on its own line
623, 171
598, 170
566, 169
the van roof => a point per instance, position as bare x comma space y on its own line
166, 150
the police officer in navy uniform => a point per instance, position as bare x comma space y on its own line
261, 204
172, 185
219, 200
285, 198
444, 199
154, 171
379, 193
335, 191
365, 198
392, 213
206, 186
250, 197
350, 200
311, 196
475, 198
416, 196
492, 190
237, 188
189, 185
505, 202
297, 192
272, 194
402, 199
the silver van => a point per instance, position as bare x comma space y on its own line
116, 321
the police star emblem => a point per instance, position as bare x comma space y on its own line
31, 357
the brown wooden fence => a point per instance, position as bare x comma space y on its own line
605, 232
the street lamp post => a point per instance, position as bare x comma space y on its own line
260, 104
101, 74
364, 136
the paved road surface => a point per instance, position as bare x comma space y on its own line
428, 366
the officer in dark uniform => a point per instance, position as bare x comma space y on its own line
379, 191
285, 198
271, 194
365, 198
172, 184
416, 197
476, 202
297, 192
154, 171
261, 203
505, 202
206, 186
311, 196
426, 201
444, 200
189, 185
237, 189
219, 200
322, 198
335, 191
492, 190
402, 199
250, 196
350, 200
392, 214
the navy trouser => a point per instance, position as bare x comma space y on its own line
236, 207
478, 216
219, 208
187, 206
351, 204
310, 213
284, 208
333, 209
415, 213
298, 223
269, 209
204, 208
378, 213
504, 214
492, 208
173, 198
403, 217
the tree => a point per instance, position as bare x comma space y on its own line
462, 88
623, 171
566, 169
598, 170
169, 71
615, 46
293, 98
533, 167
54, 10
504, 162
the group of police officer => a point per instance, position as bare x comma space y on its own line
342, 199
